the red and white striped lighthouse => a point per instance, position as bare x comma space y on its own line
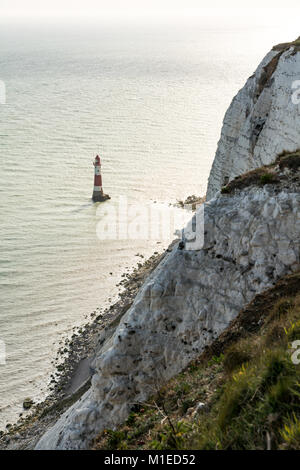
98, 195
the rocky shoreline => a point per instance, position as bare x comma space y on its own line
73, 368
191, 202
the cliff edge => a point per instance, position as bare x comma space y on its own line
251, 240
262, 120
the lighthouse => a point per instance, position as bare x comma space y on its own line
98, 195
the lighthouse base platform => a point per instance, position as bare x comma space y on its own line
100, 197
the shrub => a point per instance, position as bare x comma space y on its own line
291, 433
216, 360
293, 332
275, 334
172, 437
236, 356
236, 394
283, 395
276, 364
291, 161
267, 178
186, 404
281, 308
182, 389
115, 438
131, 418
225, 190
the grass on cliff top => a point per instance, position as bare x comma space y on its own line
286, 45
246, 380
270, 68
267, 174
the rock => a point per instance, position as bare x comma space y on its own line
99, 197
27, 403
199, 408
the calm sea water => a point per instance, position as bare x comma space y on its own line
151, 101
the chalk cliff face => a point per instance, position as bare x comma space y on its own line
262, 120
251, 239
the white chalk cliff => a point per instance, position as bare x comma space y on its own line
251, 240
262, 120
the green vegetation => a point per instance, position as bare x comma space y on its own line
291, 433
269, 69
268, 174
286, 45
191, 201
259, 177
266, 178
242, 393
225, 190
289, 160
